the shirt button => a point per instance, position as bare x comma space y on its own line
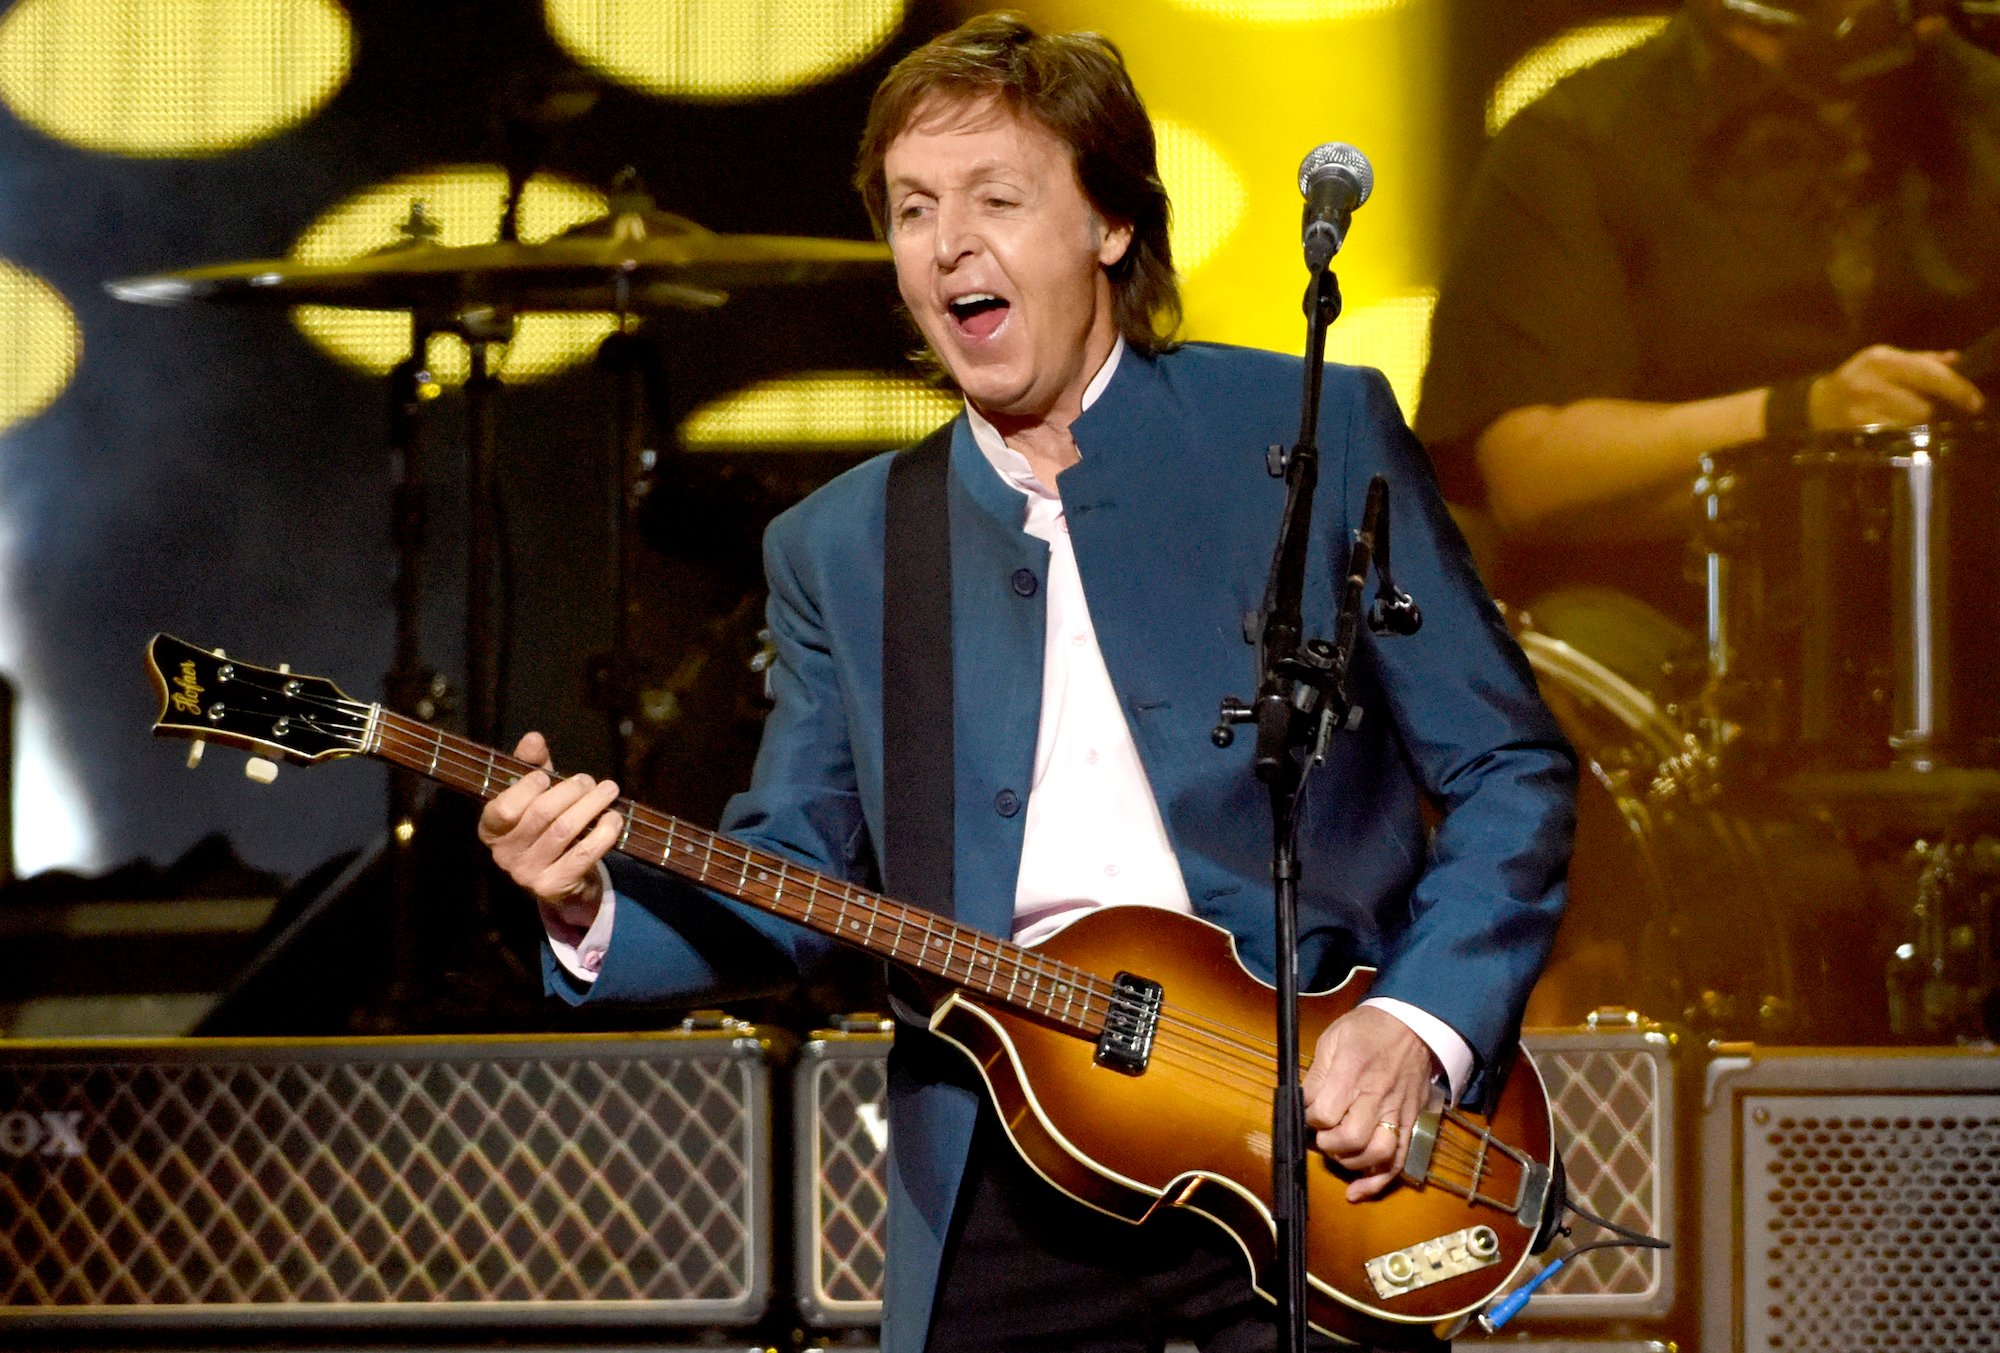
1076, 640
1024, 582
1006, 803
1090, 757
1111, 871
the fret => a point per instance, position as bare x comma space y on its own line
708, 860
437, 746
486, 785
626, 835
778, 892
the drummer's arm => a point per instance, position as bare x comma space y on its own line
1547, 468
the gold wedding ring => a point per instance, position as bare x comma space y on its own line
1390, 1124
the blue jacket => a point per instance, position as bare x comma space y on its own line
1173, 518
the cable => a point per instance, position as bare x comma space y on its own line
1622, 1237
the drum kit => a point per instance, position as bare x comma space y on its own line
1801, 842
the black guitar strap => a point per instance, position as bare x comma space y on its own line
918, 752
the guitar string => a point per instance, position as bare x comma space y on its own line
1222, 1038
736, 854
445, 753
436, 742
1470, 1156
644, 841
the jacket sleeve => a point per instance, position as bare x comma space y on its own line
1484, 747
673, 942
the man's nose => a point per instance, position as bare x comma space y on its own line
957, 235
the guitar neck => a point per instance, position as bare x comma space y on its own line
911, 936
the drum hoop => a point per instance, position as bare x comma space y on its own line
1586, 676
1874, 445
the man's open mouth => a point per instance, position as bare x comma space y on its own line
978, 314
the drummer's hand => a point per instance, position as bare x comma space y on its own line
1368, 1071
1885, 385
548, 835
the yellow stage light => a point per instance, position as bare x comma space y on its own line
1205, 189
39, 345
464, 202
1537, 72
853, 411
1393, 335
722, 49
171, 77
1288, 11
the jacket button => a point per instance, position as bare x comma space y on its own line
1024, 581
1006, 803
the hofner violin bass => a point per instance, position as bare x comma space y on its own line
1130, 1055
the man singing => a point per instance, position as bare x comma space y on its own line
1110, 522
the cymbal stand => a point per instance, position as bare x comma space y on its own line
484, 329
615, 676
410, 686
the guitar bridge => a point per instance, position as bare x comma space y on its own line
1126, 1045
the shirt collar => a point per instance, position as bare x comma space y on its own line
1011, 465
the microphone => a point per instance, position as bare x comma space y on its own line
1335, 178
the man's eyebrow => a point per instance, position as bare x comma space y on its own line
976, 172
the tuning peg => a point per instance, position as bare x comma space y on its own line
200, 745
261, 768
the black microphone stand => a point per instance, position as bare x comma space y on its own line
1302, 700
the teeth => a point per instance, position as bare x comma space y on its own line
973, 298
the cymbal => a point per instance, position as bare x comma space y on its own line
631, 261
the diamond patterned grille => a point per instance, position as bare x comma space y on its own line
1871, 1221
387, 1176
842, 1187
1612, 1098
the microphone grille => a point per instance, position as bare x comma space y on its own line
1337, 155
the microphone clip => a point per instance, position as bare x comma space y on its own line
1395, 611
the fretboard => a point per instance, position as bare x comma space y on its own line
912, 936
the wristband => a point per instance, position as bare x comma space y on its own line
1788, 408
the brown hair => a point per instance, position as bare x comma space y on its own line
1076, 85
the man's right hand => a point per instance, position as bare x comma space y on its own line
548, 836
1885, 385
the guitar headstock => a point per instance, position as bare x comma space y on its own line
209, 697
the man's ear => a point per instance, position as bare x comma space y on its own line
1117, 239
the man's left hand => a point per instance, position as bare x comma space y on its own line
1370, 1078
